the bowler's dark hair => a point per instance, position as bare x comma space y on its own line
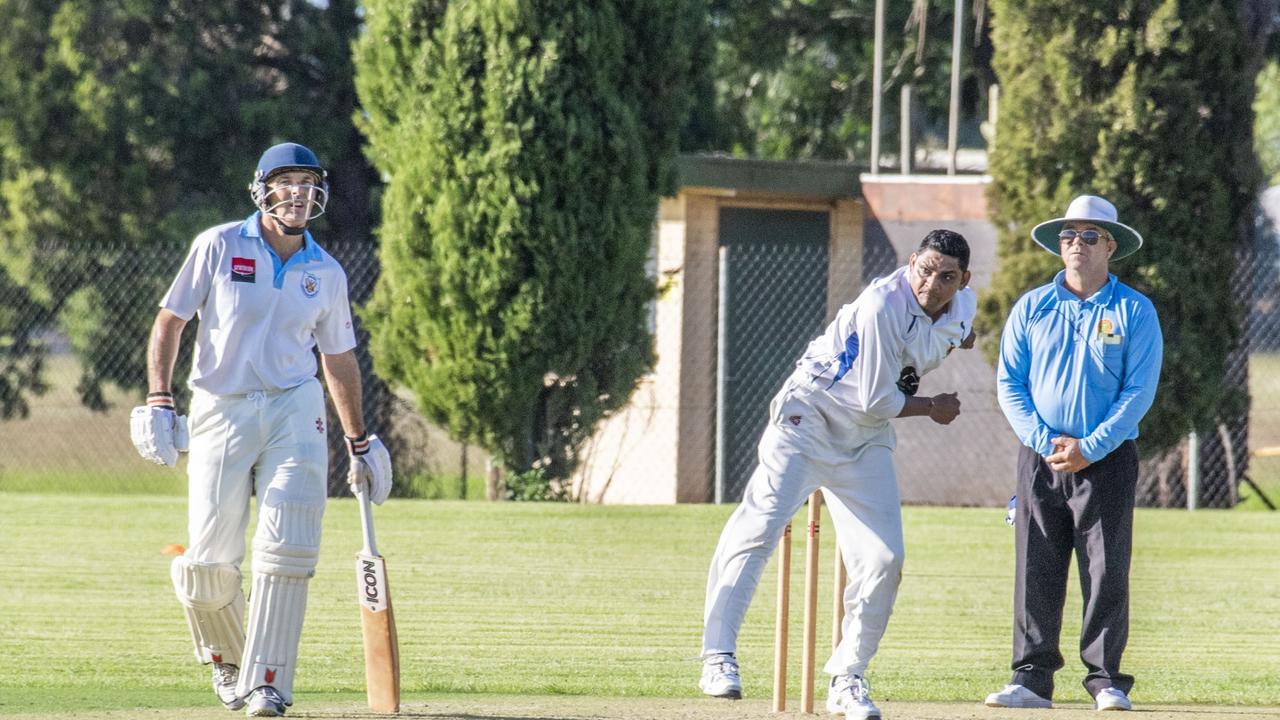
947, 242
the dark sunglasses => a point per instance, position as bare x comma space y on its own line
1089, 237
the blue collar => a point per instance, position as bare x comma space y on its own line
252, 228
1102, 297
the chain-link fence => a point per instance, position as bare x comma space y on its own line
774, 278
781, 284
73, 434
1238, 459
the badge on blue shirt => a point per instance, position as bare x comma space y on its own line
1106, 333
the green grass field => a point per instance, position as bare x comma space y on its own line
536, 610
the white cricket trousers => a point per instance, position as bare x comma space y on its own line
273, 443
811, 443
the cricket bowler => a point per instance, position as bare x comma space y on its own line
829, 428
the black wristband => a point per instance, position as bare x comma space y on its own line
162, 400
358, 445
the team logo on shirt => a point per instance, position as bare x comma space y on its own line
243, 270
310, 284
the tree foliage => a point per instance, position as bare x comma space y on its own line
525, 145
1147, 103
1267, 128
125, 128
793, 77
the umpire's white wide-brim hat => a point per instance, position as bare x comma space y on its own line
1090, 209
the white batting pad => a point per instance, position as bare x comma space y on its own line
276, 609
211, 595
286, 548
287, 542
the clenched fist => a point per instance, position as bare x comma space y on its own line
944, 408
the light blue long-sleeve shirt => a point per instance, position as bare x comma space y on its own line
1086, 369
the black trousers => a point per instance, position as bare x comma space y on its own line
1090, 512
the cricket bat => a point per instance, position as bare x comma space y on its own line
381, 650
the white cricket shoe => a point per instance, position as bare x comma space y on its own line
720, 677
849, 696
1112, 699
265, 702
1017, 696
225, 676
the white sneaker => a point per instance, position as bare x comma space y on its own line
849, 695
1017, 696
1112, 699
265, 702
720, 677
225, 676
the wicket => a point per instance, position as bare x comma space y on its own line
807, 666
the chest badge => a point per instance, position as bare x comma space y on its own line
243, 270
1106, 333
310, 284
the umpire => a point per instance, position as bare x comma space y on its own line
1079, 362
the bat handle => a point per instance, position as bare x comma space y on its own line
366, 521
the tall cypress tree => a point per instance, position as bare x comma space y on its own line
525, 145
1147, 103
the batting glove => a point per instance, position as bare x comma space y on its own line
157, 431
909, 381
370, 467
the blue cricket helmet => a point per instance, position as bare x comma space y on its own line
287, 157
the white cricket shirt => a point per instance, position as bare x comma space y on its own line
259, 318
860, 356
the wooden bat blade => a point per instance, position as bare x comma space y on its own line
381, 649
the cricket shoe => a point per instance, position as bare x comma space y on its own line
225, 676
265, 702
720, 677
1112, 699
1017, 696
850, 696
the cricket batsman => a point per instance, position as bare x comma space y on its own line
267, 296
829, 428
